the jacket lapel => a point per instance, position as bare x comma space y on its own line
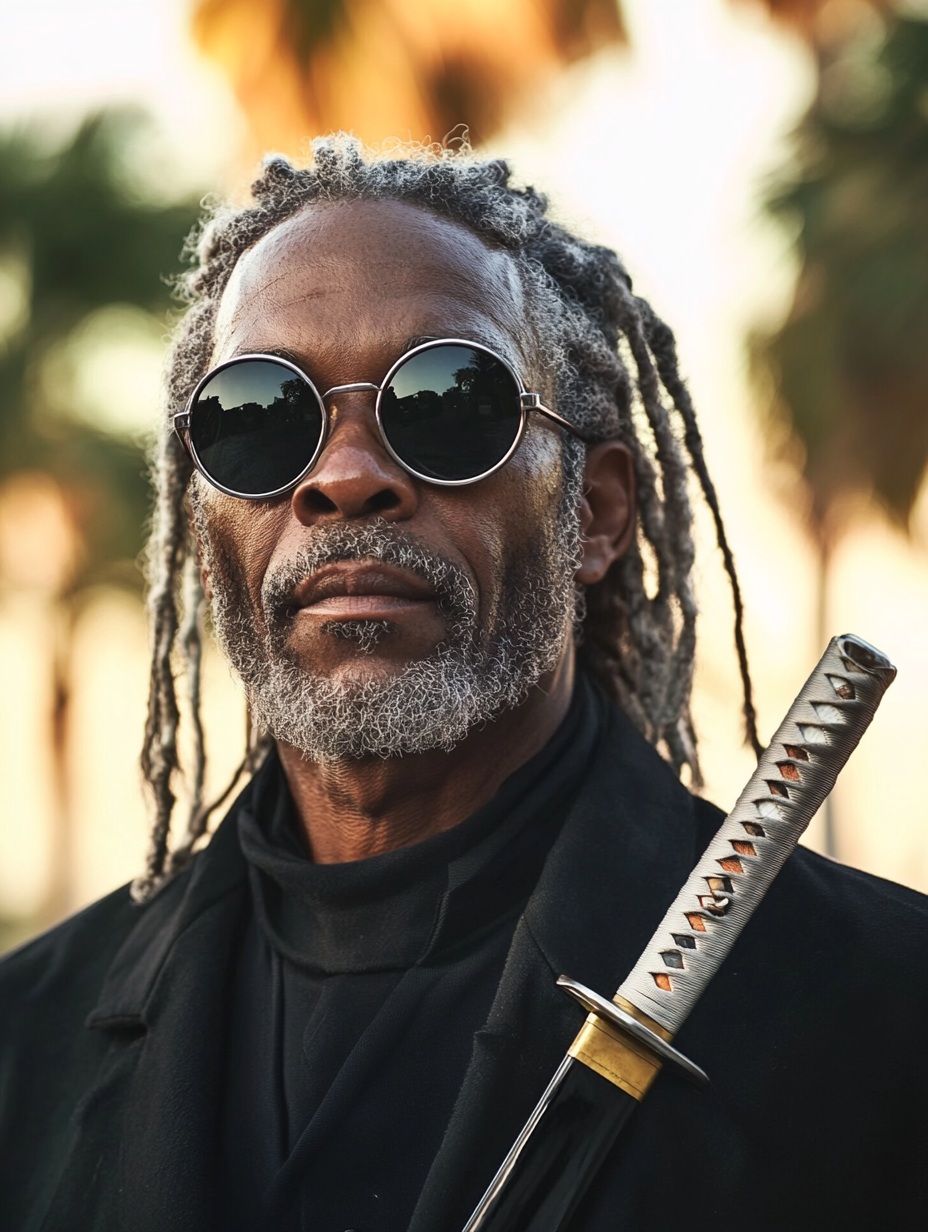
625, 849
143, 1137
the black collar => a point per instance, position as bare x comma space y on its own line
416, 904
629, 841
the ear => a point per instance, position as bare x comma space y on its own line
607, 509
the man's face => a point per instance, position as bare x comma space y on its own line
368, 611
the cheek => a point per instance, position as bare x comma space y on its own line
241, 536
535, 479
501, 515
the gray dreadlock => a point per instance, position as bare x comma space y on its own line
613, 366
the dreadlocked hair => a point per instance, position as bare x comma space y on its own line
611, 365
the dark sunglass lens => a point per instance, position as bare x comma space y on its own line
451, 412
255, 426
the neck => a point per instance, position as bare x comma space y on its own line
354, 809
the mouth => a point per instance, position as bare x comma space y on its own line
361, 590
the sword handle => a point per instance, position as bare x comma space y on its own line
612, 1062
793, 777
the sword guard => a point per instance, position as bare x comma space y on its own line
641, 1034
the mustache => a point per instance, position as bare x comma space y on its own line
379, 541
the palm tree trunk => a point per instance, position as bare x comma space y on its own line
823, 636
60, 895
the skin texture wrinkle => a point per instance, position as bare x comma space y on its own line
342, 288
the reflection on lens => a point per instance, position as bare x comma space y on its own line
451, 412
255, 426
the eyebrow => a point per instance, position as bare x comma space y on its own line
418, 340
291, 356
277, 353
410, 344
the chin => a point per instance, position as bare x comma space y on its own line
359, 649
361, 669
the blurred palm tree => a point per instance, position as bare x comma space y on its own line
848, 368
79, 235
391, 68
823, 23
851, 360
400, 69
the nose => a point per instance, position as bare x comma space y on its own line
355, 476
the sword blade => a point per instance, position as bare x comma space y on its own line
567, 1137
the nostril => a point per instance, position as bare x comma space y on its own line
313, 502
383, 500
316, 501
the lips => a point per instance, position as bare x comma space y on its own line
360, 589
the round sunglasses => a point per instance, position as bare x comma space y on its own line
449, 412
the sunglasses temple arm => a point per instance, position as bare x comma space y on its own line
180, 425
561, 422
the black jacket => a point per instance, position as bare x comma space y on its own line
111, 1034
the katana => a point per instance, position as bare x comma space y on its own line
626, 1041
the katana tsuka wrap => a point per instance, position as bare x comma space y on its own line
793, 777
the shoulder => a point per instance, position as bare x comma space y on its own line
848, 926
827, 882
48, 989
65, 966
863, 931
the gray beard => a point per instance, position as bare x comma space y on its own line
473, 674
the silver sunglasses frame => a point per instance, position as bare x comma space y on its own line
528, 402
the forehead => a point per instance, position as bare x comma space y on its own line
366, 277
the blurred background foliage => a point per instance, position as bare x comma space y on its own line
84, 256
846, 374
848, 368
388, 68
85, 249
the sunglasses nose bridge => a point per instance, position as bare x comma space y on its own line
354, 474
356, 387
359, 387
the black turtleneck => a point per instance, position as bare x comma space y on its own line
358, 991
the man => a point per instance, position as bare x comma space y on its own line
427, 463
